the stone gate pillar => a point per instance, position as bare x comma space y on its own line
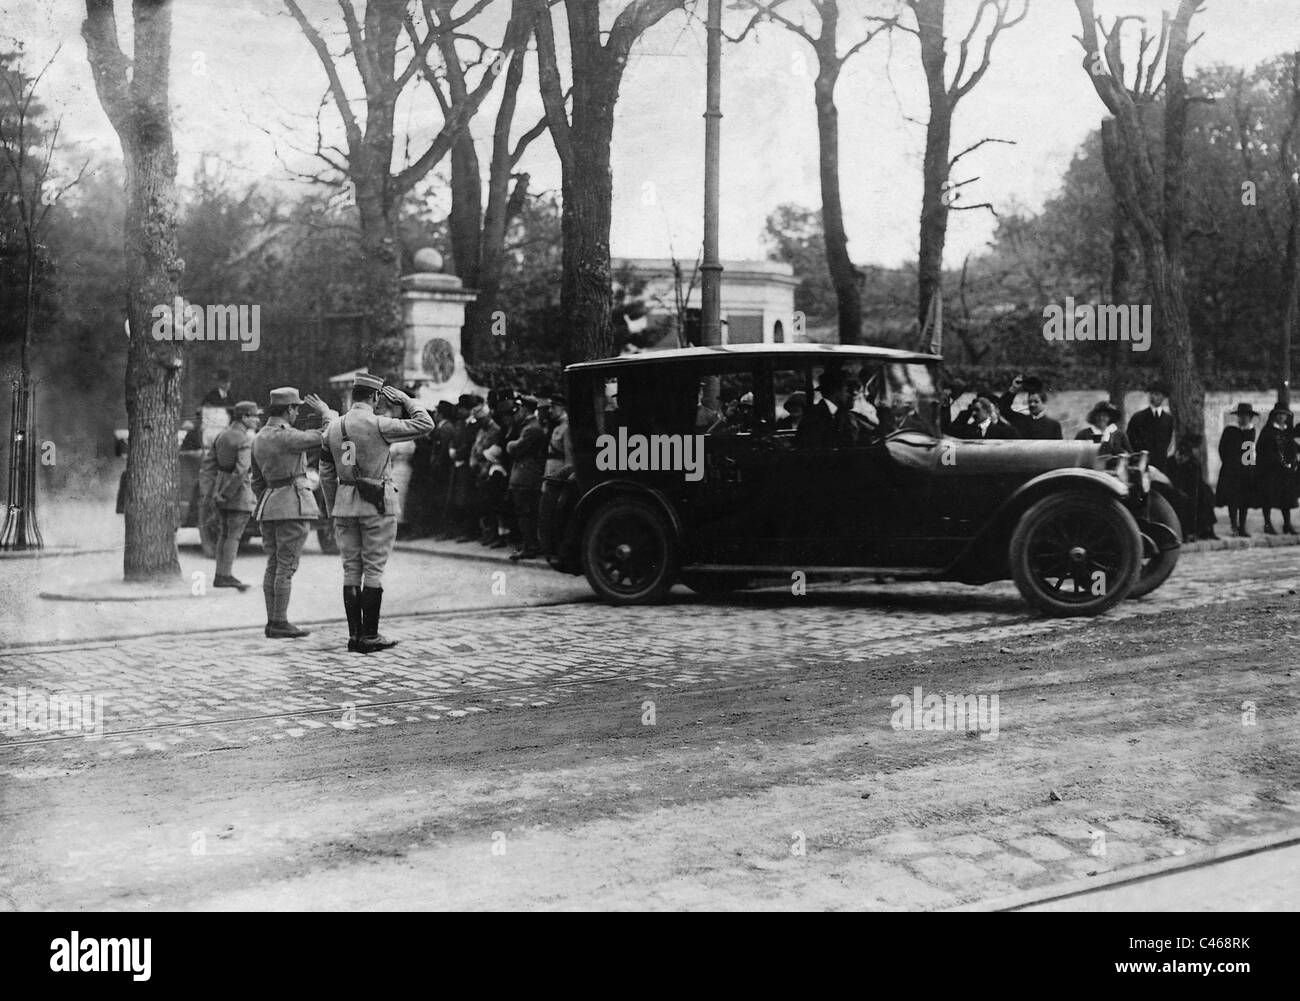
433, 313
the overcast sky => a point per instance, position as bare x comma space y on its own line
246, 84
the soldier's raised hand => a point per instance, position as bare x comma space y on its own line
393, 395
316, 403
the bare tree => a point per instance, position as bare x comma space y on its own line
582, 141
830, 63
1153, 198
373, 42
1286, 163
939, 194
28, 150
478, 234
134, 94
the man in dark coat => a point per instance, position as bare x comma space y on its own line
985, 421
464, 521
1237, 487
1276, 460
446, 427
829, 422
1152, 430
527, 453
1035, 425
1193, 499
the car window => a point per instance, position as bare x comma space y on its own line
737, 408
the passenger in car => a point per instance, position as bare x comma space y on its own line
795, 405
829, 422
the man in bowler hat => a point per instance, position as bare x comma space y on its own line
286, 504
357, 449
1152, 430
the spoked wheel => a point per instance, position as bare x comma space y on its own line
628, 553
1156, 568
1075, 554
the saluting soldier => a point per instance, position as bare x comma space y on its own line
286, 505
356, 475
232, 490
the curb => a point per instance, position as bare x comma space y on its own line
51, 551
1137, 873
52, 646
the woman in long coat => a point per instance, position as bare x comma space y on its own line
1276, 450
1237, 487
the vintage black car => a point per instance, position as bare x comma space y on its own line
687, 472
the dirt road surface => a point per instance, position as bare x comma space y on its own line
748, 753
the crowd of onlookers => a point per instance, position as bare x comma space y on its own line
491, 471
1259, 466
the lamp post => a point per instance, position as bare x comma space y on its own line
711, 267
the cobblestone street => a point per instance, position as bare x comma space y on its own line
773, 728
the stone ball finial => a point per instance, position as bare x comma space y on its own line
428, 260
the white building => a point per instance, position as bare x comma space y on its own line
757, 296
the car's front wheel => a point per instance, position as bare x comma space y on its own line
1075, 553
1156, 569
628, 552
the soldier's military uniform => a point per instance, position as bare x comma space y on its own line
286, 506
357, 446
232, 490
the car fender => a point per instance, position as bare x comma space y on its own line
608, 489
985, 557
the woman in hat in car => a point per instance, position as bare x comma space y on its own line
1237, 487
1276, 462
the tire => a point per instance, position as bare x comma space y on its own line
629, 554
714, 583
325, 536
1156, 569
1067, 539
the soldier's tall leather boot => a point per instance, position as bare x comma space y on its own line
280, 628
268, 592
352, 605
371, 600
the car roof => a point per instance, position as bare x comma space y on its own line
800, 351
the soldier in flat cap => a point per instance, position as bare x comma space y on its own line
286, 504
356, 475
232, 489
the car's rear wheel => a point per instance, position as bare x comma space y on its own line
714, 583
629, 553
1075, 553
1156, 569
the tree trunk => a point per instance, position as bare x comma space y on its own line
1291, 306
1121, 272
139, 110
384, 347
586, 293
845, 277
934, 212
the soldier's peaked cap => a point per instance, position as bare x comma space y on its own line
364, 381
285, 396
247, 408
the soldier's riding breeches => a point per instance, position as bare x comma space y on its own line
364, 544
283, 542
